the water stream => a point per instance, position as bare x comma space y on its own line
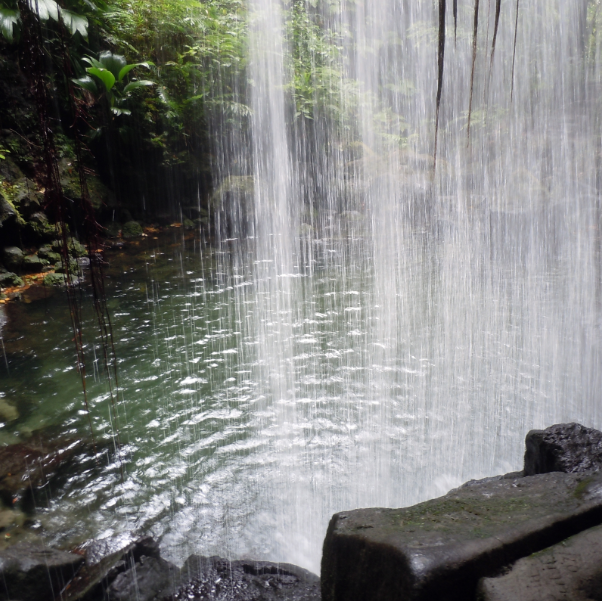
368, 333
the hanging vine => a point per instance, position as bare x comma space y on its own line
58, 206
441, 61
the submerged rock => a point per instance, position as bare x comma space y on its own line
8, 412
217, 579
568, 448
35, 573
31, 465
571, 570
439, 549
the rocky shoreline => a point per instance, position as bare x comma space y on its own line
530, 535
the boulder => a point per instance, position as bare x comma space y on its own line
7, 211
12, 257
132, 229
27, 197
46, 252
56, 279
34, 264
149, 579
568, 448
31, 572
107, 559
76, 249
571, 570
214, 578
73, 266
441, 548
9, 279
40, 228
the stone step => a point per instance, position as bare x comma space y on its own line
568, 571
441, 548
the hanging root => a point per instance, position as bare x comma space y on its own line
455, 11
498, 7
58, 206
474, 60
440, 60
514, 52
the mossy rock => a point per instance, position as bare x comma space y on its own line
75, 248
58, 279
8, 212
12, 257
39, 227
46, 252
73, 266
240, 187
98, 193
10, 279
26, 197
132, 229
34, 263
10, 171
113, 229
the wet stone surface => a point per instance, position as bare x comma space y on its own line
439, 549
33, 572
571, 570
217, 579
568, 448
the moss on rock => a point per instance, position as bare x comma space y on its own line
132, 229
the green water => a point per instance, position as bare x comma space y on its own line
252, 406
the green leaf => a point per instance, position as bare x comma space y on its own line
118, 111
93, 62
8, 19
107, 78
45, 9
112, 62
138, 84
75, 23
87, 83
128, 68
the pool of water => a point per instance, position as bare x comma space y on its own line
253, 404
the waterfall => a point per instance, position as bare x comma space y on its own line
416, 323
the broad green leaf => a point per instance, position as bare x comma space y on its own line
45, 9
138, 84
93, 62
112, 62
128, 68
105, 76
8, 19
118, 111
75, 23
87, 83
